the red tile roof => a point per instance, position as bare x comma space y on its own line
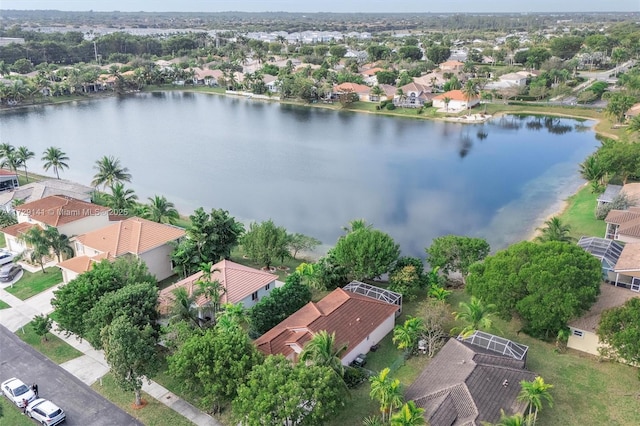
78, 264
239, 281
4, 172
57, 210
372, 71
352, 87
18, 229
628, 221
352, 317
454, 95
134, 235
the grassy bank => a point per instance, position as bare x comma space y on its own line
580, 214
10, 415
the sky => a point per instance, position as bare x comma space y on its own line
341, 6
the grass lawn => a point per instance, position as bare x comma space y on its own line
153, 414
580, 215
174, 385
3, 242
4, 305
33, 283
56, 349
586, 390
12, 415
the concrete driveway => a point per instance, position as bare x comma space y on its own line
83, 405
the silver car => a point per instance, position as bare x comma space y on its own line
6, 257
9, 272
46, 412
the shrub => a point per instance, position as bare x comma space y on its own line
353, 376
619, 202
390, 107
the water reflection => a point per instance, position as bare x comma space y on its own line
314, 170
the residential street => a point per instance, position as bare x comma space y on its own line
82, 405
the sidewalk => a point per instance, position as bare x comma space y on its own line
91, 366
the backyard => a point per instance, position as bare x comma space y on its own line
580, 215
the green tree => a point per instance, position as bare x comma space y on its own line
109, 172
56, 158
438, 53
565, 47
210, 238
279, 392
387, 392
214, 364
546, 284
452, 253
183, 308
406, 336
322, 350
212, 290
136, 302
121, 199
38, 246
161, 210
620, 158
280, 303
24, 154
299, 242
7, 219
476, 314
59, 243
41, 325
131, 354
515, 420
554, 230
534, 393
619, 103
619, 331
73, 300
409, 415
470, 91
366, 253
592, 170
265, 242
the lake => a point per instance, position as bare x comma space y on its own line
313, 170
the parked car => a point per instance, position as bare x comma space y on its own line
9, 272
17, 391
359, 361
46, 412
5, 257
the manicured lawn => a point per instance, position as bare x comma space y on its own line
33, 283
4, 305
12, 415
3, 242
586, 391
580, 214
56, 349
153, 414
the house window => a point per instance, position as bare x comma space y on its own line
267, 287
254, 295
578, 333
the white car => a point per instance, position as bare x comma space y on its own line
6, 257
46, 412
17, 391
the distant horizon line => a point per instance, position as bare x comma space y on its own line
336, 13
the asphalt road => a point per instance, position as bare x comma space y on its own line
84, 407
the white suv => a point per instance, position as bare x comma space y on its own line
46, 412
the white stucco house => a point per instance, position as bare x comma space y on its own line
457, 101
149, 241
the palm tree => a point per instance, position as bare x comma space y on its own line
446, 101
470, 91
634, 124
533, 393
409, 415
322, 350
120, 199
212, 290
515, 420
54, 157
110, 172
6, 149
184, 307
24, 154
591, 170
377, 91
356, 225
373, 421
10, 158
476, 314
554, 230
39, 246
388, 392
161, 210
406, 336
59, 243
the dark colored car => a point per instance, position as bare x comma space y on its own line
359, 361
9, 272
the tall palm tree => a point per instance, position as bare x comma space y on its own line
161, 210
120, 199
446, 100
470, 91
56, 158
406, 336
476, 314
24, 154
377, 91
356, 225
212, 290
554, 230
10, 158
592, 170
388, 392
38, 245
409, 415
6, 149
515, 420
322, 350
109, 172
59, 243
533, 393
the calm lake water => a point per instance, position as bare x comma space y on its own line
313, 170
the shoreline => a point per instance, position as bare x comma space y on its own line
477, 118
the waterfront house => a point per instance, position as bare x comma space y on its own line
414, 95
37, 190
624, 225
8, 180
457, 101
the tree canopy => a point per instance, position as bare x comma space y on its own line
366, 253
547, 284
619, 330
453, 253
265, 242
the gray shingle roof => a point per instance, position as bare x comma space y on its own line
465, 385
